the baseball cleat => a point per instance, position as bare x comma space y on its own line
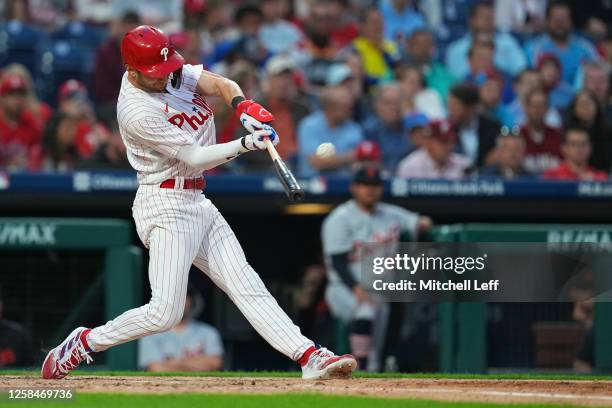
322, 364
67, 356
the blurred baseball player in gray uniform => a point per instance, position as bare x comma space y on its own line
363, 220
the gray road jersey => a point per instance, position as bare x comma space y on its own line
347, 228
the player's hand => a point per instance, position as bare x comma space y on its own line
256, 140
253, 116
360, 294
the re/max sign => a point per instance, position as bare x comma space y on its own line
27, 234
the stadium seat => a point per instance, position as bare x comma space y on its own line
19, 43
63, 60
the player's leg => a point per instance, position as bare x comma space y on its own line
221, 257
171, 256
364, 324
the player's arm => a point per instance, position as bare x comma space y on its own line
340, 262
253, 116
208, 157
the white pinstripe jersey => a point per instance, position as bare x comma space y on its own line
155, 125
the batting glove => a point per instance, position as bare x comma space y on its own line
253, 116
256, 140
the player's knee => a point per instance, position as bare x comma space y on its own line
163, 316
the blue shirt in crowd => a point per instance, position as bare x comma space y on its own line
394, 142
399, 26
508, 55
577, 52
314, 130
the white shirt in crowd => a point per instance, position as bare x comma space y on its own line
420, 165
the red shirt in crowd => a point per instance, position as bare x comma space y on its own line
543, 150
16, 139
565, 172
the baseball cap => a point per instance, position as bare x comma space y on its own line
72, 89
279, 64
12, 83
415, 120
442, 130
370, 175
338, 73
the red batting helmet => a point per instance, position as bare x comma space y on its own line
147, 49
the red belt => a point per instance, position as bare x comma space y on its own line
188, 184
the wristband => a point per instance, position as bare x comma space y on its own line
236, 100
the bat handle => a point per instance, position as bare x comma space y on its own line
271, 149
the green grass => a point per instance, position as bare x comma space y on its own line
247, 401
518, 376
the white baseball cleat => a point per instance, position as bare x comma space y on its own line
322, 364
67, 356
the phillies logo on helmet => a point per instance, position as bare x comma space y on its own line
164, 52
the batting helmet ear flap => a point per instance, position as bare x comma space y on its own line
176, 78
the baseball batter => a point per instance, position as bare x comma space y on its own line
363, 220
168, 129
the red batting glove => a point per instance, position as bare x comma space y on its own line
253, 116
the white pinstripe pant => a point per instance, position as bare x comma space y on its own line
181, 228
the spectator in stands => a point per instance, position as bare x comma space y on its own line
190, 346
560, 93
165, 14
576, 150
378, 56
542, 142
401, 19
420, 51
415, 97
21, 127
436, 159
108, 69
510, 154
526, 81
416, 128
345, 27
15, 344
98, 12
508, 53
571, 50
322, 51
331, 124
585, 113
597, 80
523, 17
349, 74
490, 93
242, 42
74, 135
385, 126
480, 57
277, 34
476, 132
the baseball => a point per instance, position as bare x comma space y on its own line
326, 150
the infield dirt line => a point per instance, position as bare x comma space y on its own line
590, 393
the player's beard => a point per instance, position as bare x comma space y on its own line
150, 84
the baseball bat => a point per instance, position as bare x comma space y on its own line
290, 185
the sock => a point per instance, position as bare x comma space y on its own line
83, 336
304, 359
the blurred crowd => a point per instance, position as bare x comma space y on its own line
427, 89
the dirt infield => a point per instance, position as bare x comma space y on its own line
592, 393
